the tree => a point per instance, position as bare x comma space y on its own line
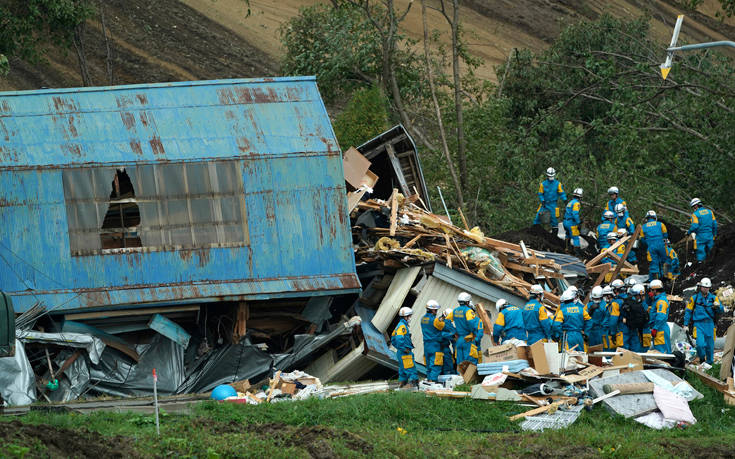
364, 117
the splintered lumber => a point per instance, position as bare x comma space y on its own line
464, 220
393, 212
486, 321
606, 252
413, 241
448, 393
543, 409
628, 248
272, 385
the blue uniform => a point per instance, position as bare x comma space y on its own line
469, 329
671, 266
596, 310
431, 329
704, 225
700, 309
572, 318
572, 220
662, 341
549, 193
614, 333
614, 202
509, 324
448, 332
537, 322
401, 340
603, 229
654, 233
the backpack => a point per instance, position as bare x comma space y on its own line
636, 314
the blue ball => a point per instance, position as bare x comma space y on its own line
223, 391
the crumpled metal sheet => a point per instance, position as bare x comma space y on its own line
117, 374
74, 381
225, 365
92, 345
17, 381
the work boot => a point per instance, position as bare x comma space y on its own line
412, 385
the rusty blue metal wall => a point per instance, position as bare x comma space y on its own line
299, 236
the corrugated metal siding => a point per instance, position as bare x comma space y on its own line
299, 239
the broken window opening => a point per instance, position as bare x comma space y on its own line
120, 225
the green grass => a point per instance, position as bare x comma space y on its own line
368, 426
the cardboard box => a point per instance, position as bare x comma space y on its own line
505, 352
470, 374
538, 357
625, 357
288, 388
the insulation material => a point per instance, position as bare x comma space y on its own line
92, 345
672, 406
656, 420
17, 381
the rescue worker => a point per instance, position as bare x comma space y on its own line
549, 193
401, 340
671, 268
535, 318
632, 316
509, 323
449, 336
608, 341
622, 232
654, 233
611, 238
622, 219
596, 310
572, 219
469, 330
431, 328
703, 309
615, 328
603, 229
703, 229
615, 199
647, 339
660, 330
572, 319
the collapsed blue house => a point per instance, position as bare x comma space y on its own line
169, 194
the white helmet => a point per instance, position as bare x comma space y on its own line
656, 284
613, 190
596, 293
568, 295
447, 312
616, 284
501, 304
536, 289
432, 305
651, 215
622, 232
405, 312
578, 192
607, 215
695, 202
612, 236
705, 282
638, 289
630, 282
464, 297
551, 173
607, 291
620, 209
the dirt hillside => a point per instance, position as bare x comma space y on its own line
170, 40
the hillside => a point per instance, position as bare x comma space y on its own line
170, 40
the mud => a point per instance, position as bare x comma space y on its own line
314, 439
538, 238
59, 442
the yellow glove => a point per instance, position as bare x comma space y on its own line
470, 337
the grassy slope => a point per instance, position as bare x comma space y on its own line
367, 426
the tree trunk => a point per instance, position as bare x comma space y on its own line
437, 109
79, 47
461, 144
108, 57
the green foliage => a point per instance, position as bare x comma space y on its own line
4, 65
338, 45
365, 116
26, 25
594, 107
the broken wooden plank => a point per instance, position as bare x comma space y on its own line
628, 248
464, 220
393, 212
543, 409
607, 251
241, 318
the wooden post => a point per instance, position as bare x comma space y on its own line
393, 212
464, 220
241, 319
628, 248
